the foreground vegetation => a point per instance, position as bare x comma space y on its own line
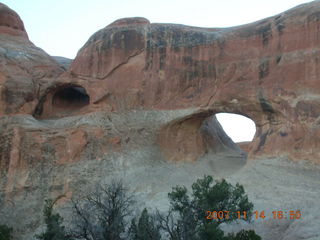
5, 232
107, 214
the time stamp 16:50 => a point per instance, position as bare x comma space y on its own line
223, 215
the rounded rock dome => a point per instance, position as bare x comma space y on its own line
129, 21
10, 22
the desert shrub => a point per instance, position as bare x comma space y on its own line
5, 232
244, 235
103, 214
187, 218
53, 222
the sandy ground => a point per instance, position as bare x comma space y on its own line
275, 184
281, 185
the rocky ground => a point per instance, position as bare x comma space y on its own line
272, 184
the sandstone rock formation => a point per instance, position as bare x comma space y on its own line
64, 62
24, 67
266, 71
10, 22
140, 97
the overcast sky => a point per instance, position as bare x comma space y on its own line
61, 27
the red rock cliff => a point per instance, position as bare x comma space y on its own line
267, 70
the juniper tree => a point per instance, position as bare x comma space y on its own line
188, 219
53, 221
146, 229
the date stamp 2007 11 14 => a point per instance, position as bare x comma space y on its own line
220, 215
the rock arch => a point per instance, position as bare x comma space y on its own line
192, 136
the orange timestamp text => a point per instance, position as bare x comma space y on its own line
276, 214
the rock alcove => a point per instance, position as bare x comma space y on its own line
62, 101
72, 97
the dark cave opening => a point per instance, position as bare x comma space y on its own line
62, 101
71, 97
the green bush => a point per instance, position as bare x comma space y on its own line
5, 232
210, 195
244, 235
191, 210
54, 228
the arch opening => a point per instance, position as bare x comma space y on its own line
239, 128
201, 136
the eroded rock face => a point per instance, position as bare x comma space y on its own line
64, 62
141, 97
10, 22
266, 71
23, 66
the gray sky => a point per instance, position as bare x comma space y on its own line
61, 27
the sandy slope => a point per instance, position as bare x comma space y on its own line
278, 184
272, 184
